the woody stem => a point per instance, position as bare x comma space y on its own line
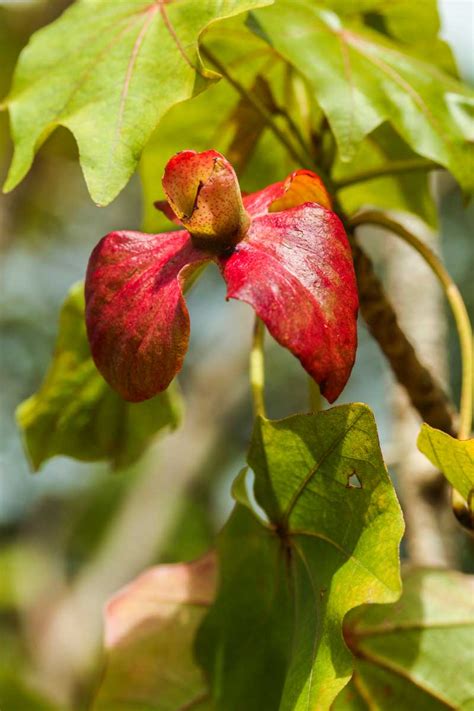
454, 299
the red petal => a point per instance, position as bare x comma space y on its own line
295, 268
299, 187
137, 320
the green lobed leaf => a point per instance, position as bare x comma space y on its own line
149, 631
416, 25
273, 640
108, 71
416, 653
454, 457
75, 413
361, 79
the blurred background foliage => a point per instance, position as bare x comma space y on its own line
75, 532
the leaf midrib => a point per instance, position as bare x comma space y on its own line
389, 666
394, 628
317, 466
340, 549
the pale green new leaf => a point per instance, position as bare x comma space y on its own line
361, 79
75, 413
454, 457
330, 544
417, 653
108, 71
149, 630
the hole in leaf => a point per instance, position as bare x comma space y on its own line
353, 481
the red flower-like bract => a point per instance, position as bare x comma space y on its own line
292, 264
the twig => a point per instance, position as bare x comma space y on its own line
401, 166
314, 395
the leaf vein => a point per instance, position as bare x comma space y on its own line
317, 466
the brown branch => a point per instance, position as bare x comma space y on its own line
425, 394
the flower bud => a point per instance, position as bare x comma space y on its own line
204, 193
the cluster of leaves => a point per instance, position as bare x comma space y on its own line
129, 79
278, 635
96, 78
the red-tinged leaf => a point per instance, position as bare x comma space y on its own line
155, 592
295, 269
150, 627
137, 320
204, 193
293, 265
299, 187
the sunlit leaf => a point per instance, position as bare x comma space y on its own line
454, 457
108, 71
149, 631
273, 640
417, 653
361, 79
416, 25
75, 412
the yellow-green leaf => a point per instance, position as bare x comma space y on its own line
273, 640
361, 79
417, 653
108, 71
149, 631
454, 457
75, 413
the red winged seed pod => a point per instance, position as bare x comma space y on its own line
282, 250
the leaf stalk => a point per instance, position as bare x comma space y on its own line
314, 395
257, 368
402, 166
